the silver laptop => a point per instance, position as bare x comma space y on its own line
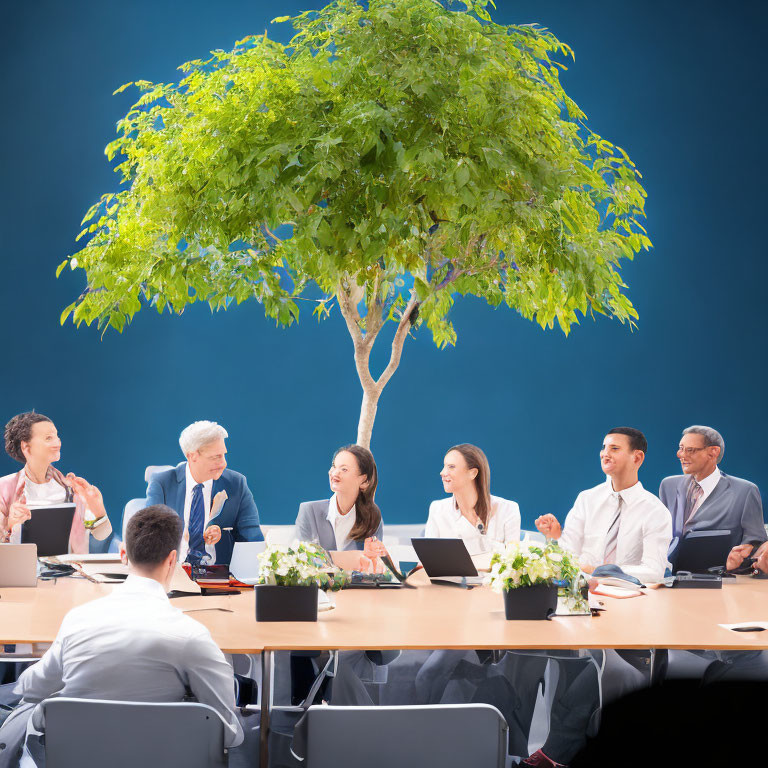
18, 565
244, 565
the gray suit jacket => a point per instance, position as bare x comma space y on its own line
312, 525
734, 505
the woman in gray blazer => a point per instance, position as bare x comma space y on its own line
343, 522
350, 516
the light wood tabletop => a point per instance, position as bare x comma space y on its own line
430, 616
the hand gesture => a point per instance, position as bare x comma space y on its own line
90, 494
18, 513
373, 548
737, 556
212, 534
586, 566
548, 525
762, 557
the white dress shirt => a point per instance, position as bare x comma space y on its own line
708, 485
133, 646
342, 524
644, 534
207, 490
445, 521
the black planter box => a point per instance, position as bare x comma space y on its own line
537, 602
275, 603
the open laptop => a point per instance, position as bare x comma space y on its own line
701, 550
49, 528
447, 560
18, 565
244, 565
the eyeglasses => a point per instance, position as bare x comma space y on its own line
689, 451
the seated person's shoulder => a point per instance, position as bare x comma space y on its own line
740, 482
502, 505
306, 507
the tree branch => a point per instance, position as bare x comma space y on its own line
397, 344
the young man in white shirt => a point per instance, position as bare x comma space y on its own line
132, 645
616, 522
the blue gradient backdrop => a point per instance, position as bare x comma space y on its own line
679, 85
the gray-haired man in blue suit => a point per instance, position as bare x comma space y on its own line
207, 496
705, 499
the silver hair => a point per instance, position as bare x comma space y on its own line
712, 437
200, 433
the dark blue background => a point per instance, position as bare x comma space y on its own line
679, 85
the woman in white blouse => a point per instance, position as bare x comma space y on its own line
486, 523
471, 513
32, 440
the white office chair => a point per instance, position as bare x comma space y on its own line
445, 735
280, 535
94, 732
134, 505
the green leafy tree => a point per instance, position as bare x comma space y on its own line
392, 156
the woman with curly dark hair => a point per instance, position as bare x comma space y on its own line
33, 441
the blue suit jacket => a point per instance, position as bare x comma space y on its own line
239, 511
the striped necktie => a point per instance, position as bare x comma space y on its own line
196, 520
692, 500
612, 538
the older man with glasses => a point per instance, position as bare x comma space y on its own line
704, 498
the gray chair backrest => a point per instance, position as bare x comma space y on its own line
117, 734
445, 735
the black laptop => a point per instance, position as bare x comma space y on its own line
699, 551
446, 559
49, 528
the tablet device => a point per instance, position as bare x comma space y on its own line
444, 557
49, 528
18, 565
701, 550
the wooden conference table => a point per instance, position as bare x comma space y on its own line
429, 616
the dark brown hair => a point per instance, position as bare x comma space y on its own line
19, 430
151, 534
367, 514
476, 459
637, 441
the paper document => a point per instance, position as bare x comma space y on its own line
620, 592
107, 557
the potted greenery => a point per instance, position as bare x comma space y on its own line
529, 576
289, 578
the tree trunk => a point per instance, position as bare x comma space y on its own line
368, 410
363, 342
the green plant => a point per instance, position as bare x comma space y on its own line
300, 565
525, 565
393, 156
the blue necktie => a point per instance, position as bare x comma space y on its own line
196, 520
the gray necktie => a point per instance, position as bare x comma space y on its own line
612, 538
692, 501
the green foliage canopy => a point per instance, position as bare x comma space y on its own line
408, 149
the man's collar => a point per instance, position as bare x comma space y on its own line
143, 585
629, 495
710, 481
191, 482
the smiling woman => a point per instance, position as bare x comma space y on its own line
32, 440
